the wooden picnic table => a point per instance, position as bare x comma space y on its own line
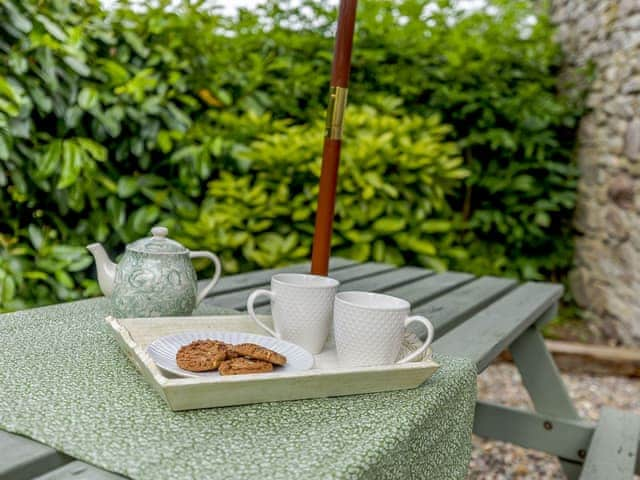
474, 317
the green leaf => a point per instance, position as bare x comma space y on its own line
127, 186
224, 96
7, 289
72, 116
389, 225
16, 18
185, 208
36, 237
77, 66
93, 149
52, 28
379, 248
143, 218
64, 278
164, 141
435, 226
49, 161
523, 182
543, 219
34, 275
18, 63
72, 159
117, 211
80, 264
116, 72
88, 98
7, 90
41, 99
421, 246
356, 236
136, 43
4, 148
359, 252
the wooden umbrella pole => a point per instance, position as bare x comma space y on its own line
333, 136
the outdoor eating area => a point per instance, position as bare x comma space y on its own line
93, 405
171, 359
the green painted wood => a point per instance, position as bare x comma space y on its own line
425, 289
240, 281
378, 282
238, 299
362, 270
449, 310
483, 336
385, 280
541, 378
79, 471
614, 448
558, 436
22, 458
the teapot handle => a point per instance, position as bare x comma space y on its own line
216, 276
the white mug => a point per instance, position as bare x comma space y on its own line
369, 329
301, 307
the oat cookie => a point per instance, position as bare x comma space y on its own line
238, 366
228, 348
259, 352
201, 355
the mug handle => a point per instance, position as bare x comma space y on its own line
250, 301
216, 276
425, 321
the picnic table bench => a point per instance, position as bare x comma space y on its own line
476, 318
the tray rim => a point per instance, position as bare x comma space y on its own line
164, 381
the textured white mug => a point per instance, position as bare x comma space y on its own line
301, 307
369, 329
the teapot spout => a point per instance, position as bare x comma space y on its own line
105, 267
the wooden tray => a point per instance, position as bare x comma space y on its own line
326, 379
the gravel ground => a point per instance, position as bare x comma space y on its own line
501, 383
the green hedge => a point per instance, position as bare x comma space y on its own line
396, 171
457, 151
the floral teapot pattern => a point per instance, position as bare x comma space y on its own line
154, 278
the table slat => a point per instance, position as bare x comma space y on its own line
430, 287
614, 446
449, 310
240, 281
483, 336
25, 458
238, 299
79, 471
362, 270
379, 282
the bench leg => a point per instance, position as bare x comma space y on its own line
542, 380
545, 433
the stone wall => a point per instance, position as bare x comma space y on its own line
606, 278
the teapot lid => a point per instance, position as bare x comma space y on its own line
157, 243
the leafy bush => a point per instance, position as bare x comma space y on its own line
395, 174
492, 75
111, 121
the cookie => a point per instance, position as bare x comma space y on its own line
231, 353
258, 352
228, 348
201, 355
239, 366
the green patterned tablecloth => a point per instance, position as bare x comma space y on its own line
64, 382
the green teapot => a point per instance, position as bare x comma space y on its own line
154, 278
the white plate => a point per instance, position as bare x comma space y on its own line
163, 350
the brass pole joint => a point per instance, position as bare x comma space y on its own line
335, 112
